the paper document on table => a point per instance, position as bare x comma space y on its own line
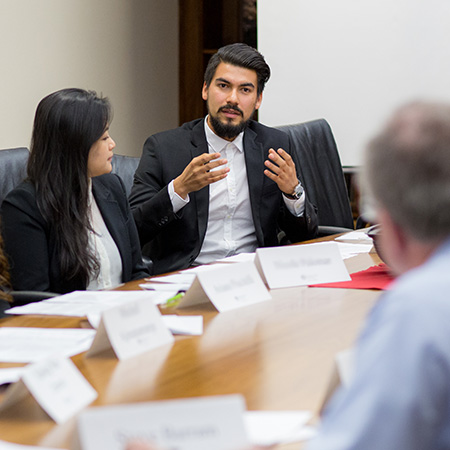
357, 235
278, 427
189, 325
22, 345
240, 257
188, 424
299, 265
82, 303
10, 375
176, 278
350, 250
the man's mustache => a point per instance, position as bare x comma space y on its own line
233, 107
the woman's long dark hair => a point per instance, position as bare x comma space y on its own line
5, 281
66, 125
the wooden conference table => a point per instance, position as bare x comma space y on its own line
279, 354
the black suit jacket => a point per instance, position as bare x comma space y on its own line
173, 241
30, 243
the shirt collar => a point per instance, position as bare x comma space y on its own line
218, 144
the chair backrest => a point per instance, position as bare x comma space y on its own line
320, 169
125, 166
13, 169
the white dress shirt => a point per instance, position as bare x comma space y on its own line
105, 249
230, 229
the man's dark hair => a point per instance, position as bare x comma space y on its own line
240, 55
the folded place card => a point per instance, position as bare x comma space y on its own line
341, 375
300, 265
227, 286
189, 424
56, 384
130, 329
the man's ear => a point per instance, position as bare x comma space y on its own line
258, 101
394, 242
204, 91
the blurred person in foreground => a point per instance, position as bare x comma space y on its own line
399, 397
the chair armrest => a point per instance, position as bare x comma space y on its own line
23, 297
327, 230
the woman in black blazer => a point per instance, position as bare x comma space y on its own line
69, 226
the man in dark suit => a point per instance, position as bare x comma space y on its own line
222, 185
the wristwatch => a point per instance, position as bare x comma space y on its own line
298, 192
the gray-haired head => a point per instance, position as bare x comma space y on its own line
407, 169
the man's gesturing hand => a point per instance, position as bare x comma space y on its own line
281, 169
199, 173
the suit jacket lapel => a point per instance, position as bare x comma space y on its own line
254, 160
201, 197
110, 212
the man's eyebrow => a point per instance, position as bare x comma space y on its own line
224, 80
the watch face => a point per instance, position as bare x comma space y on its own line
298, 191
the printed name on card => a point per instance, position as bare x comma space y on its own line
188, 424
300, 265
131, 329
227, 286
57, 386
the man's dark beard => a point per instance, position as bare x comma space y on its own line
227, 130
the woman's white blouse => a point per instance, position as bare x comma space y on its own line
105, 249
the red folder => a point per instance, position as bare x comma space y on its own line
375, 277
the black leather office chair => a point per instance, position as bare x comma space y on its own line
13, 169
23, 297
125, 166
317, 159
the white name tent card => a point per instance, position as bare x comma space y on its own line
342, 374
300, 265
188, 424
227, 286
57, 386
131, 329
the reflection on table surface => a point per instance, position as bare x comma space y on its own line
279, 354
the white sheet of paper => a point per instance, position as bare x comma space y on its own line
171, 288
188, 424
197, 269
350, 250
10, 446
299, 265
278, 427
241, 257
357, 235
23, 345
10, 375
131, 329
190, 325
228, 286
57, 385
176, 278
82, 303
